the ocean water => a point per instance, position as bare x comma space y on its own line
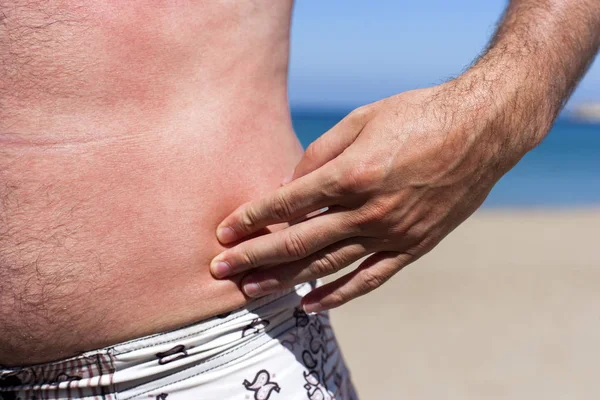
563, 171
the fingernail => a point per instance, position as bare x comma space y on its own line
252, 289
226, 235
312, 308
220, 269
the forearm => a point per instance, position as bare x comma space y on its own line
539, 53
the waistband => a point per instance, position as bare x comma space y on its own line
204, 346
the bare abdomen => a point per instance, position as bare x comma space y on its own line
110, 201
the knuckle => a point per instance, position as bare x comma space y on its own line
362, 178
247, 220
337, 298
372, 213
379, 210
423, 246
428, 244
336, 182
416, 233
371, 280
360, 114
281, 208
311, 152
426, 236
295, 246
324, 265
248, 259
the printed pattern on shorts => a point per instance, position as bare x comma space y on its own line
324, 366
262, 386
269, 352
87, 376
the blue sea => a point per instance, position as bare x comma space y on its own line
563, 171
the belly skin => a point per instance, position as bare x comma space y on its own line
112, 188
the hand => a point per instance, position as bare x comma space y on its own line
395, 176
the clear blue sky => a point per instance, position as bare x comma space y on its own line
350, 52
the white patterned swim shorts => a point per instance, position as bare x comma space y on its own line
268, 350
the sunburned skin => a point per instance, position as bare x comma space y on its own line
128, 130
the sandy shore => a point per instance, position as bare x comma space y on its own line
507, 307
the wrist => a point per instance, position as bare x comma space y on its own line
512, 103
500, 116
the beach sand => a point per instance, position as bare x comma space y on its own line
506, 307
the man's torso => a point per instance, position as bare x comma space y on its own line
127, 131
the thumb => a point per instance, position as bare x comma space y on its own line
332, 143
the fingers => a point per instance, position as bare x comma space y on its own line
290, 244
333, 142
325, 262
371, 274
301, 197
